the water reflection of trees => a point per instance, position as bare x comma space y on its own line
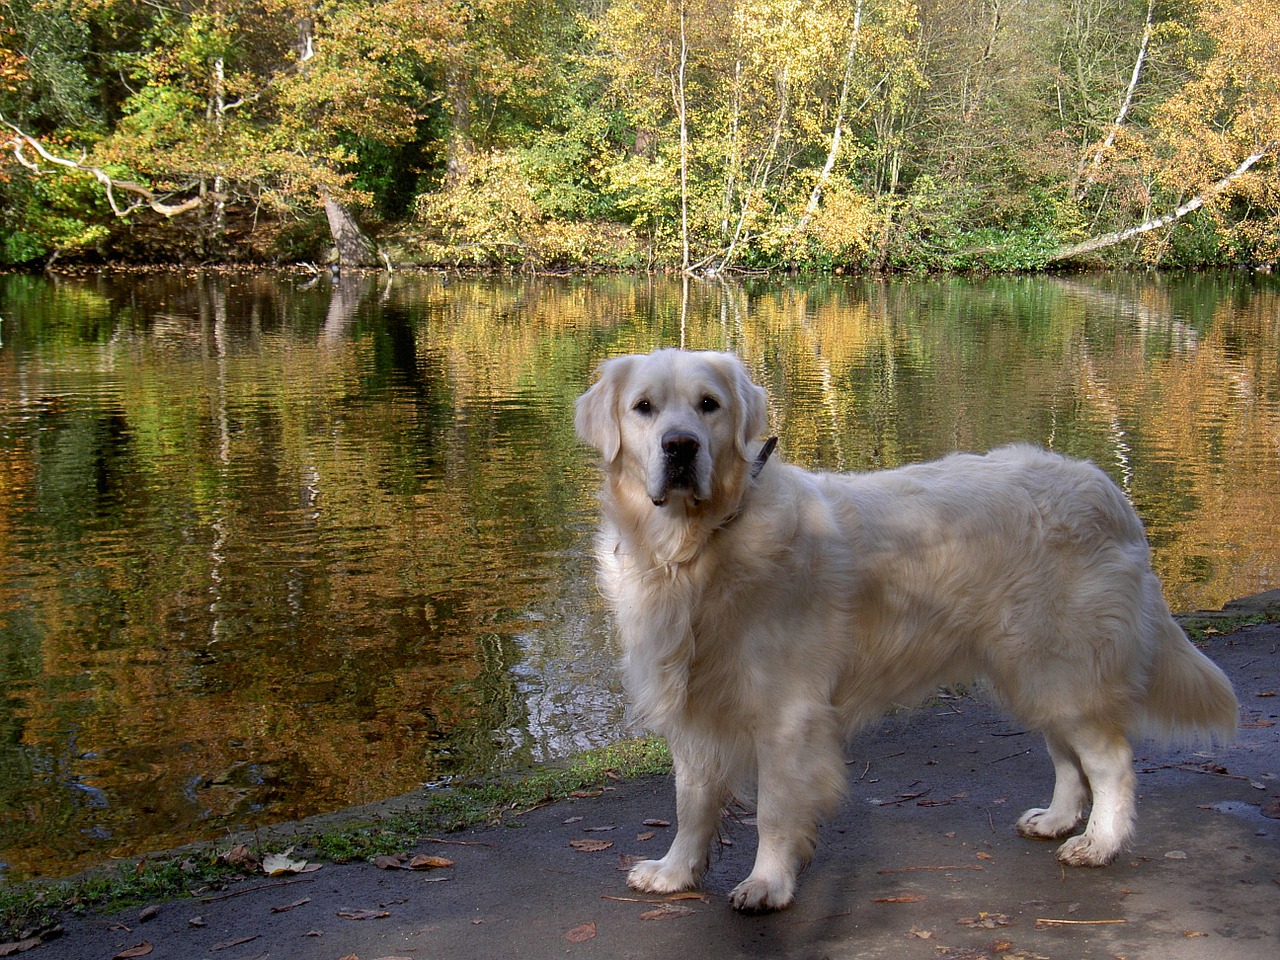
269, 547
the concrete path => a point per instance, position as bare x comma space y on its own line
921, 863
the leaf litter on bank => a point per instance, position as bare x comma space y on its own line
403, 861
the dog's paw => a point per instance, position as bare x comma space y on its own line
763, 894
658, 876
1040, 824
1086, 851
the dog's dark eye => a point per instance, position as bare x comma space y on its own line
710, 404
643, 407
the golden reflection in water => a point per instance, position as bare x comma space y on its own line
268, 548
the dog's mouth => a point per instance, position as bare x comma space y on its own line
678, 469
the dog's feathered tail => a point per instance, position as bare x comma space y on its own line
1189, 698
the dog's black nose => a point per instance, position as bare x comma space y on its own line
680, 447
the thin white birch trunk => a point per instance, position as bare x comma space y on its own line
1195, 203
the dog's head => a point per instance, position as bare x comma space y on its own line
674, 423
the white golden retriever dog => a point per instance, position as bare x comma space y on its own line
766, 613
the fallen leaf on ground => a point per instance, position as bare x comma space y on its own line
581, 934
921, 934
904, 898
197, 922
402, 861
985, 921
424, 862
668, 911
1189, 934
227, 945
585, 794
598, 829
19, 946
141, 950
291, 906
240, 856
590, 846
364, 914
575, 820
642, 837
657, 823
1175, 855
277, 864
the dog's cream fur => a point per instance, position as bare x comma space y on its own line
764, 619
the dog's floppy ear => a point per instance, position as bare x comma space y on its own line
596, 411
750, 408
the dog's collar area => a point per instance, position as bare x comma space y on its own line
763, 457
756, 466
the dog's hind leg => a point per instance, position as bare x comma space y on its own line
700, 798
1105, 759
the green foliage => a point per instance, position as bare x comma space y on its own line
492, 217
51, 215
552, 133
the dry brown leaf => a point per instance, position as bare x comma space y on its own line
19, 946
642, 837
424, 862
985, 921
364, 914
141, 950
668, 911
291, 906
227, 945
657, 823
585, 794
581, 934
921, 934
904, 898
240, 856
1189, 934
590, 846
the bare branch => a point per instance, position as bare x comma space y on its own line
21, 141
1195, 203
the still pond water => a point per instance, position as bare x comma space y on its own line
271, 547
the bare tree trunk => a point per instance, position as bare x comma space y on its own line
217, 113
1083, 183
1195, 203
684, 148
354, 247
816, 196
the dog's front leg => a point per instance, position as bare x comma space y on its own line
700, 797
801, 778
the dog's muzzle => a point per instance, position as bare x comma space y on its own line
679, 463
